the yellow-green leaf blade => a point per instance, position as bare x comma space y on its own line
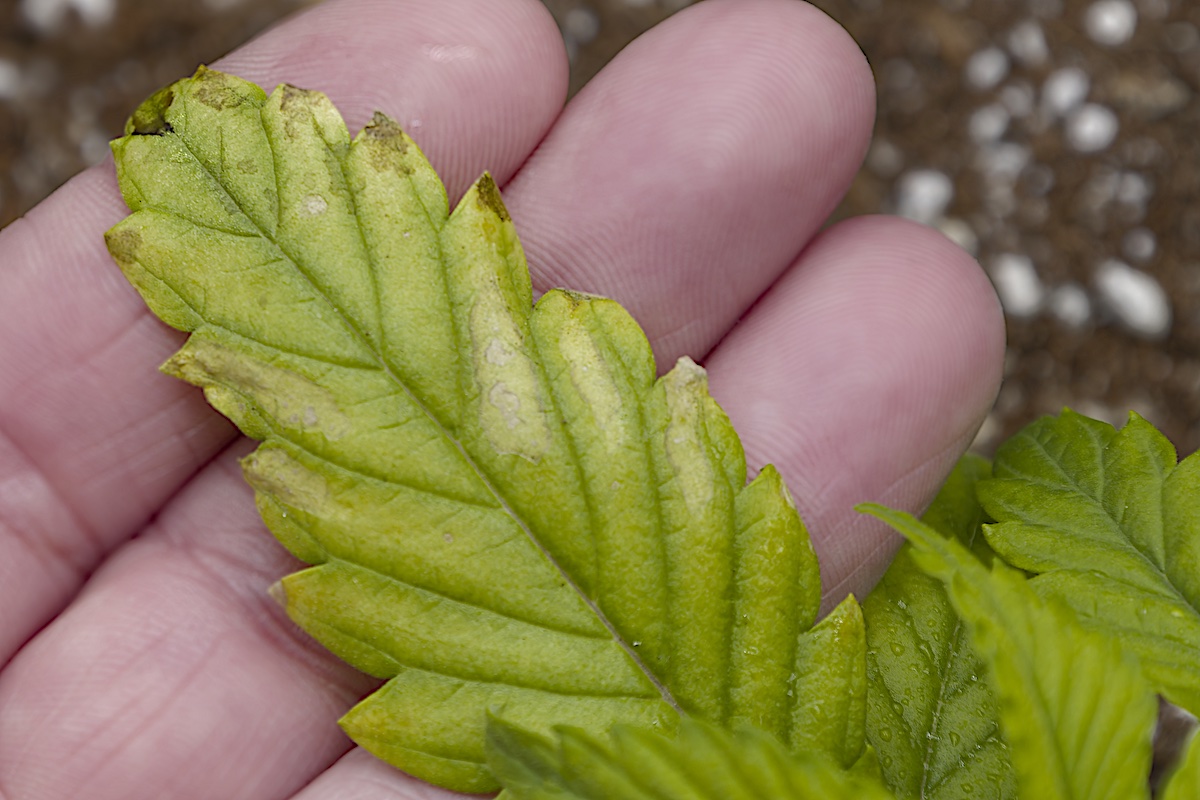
502, 504
1184, 781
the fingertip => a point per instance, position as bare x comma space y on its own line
477, 85
863, 374
687, 175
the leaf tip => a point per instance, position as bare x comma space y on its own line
278, 593
150, 118
487, 195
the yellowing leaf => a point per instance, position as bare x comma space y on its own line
930, 714
701, 763
503, 506
1112, 527
1184, 781
830, 686
1076, 712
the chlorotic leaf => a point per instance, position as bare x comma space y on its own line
930, 713
503, 507
1184, 781
1111, 526
1074, 708
702, 762
830, 687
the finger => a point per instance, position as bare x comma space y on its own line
863, 374
358, 775
687, 175
92, 439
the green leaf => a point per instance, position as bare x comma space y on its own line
503, 506
702, 763
1075, 710
1111, 525
930, 715
1184, 782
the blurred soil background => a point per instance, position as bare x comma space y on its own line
1054, 139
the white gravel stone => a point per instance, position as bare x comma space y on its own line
959, 232
1139, 244
582, 25
1110, 22
885, 159
1002, 161
987, 68
923, 194
1092, 128
1134, 297
46, 15
1017, 284
1027, 43
1070, 305
1064, 90
1134, 189
1018, 99
988, 124
10, 80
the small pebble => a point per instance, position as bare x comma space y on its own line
1110, 22
582, 25
1065, 89
47, 15
1003, 161
989, 123
1017, 284
1028, 45
885, 159
923, 194
987, 68
1070, 305
10, 80
1135, 298
1134, 189
1018, 98
1139, 244
1092, 127
959, 232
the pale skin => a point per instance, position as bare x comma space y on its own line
142, 655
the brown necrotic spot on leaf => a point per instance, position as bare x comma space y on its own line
150, 117
387, 144
488, 196
123, 243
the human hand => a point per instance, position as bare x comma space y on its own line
689, 181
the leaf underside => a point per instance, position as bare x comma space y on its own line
930, 714
1111, 526
505, 510
1075, 709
